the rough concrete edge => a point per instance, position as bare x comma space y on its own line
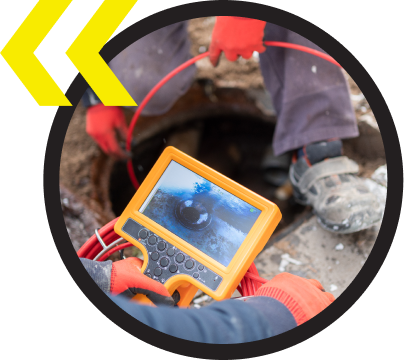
304, 217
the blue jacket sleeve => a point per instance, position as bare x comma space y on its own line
225, 322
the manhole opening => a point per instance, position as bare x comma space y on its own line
233, 144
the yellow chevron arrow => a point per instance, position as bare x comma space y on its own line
19, 52
84, 52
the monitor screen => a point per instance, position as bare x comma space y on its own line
203, 214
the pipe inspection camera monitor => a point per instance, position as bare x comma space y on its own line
196, 228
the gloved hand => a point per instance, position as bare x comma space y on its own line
236, 36
104, 123
126, 275
304, 298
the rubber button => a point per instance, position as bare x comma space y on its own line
143, 234
155, 256
196, 275
158, 271
152, 240
180, 258
164, 262
161, 245
189, 264
170, 252
201, 267
148, 275
173, 268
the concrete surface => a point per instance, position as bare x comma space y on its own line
314, 253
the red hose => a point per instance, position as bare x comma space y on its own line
115, 249
304, 49
92, 242
157, 87
165, 79
251, 280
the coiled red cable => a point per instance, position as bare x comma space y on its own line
251, 281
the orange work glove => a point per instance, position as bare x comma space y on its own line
126, 275
104, 123
236, 36
303, 298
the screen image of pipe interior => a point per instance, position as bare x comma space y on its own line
200, 212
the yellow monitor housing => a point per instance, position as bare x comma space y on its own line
196, 228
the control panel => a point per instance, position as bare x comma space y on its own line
166, 261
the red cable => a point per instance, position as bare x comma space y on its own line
304, 49
92, 241
251, 281
151, 93
115, 249
165, 79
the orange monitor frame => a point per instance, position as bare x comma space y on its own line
228, 277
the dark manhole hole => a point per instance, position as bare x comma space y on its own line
234, 145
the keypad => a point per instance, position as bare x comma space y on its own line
165, 260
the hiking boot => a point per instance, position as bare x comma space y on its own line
326, 180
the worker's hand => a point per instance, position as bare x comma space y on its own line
126, 275
304, 298
236, 36
104, 124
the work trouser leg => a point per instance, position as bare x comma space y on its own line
144, 63
310, 94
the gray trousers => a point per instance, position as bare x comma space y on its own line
310, 95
